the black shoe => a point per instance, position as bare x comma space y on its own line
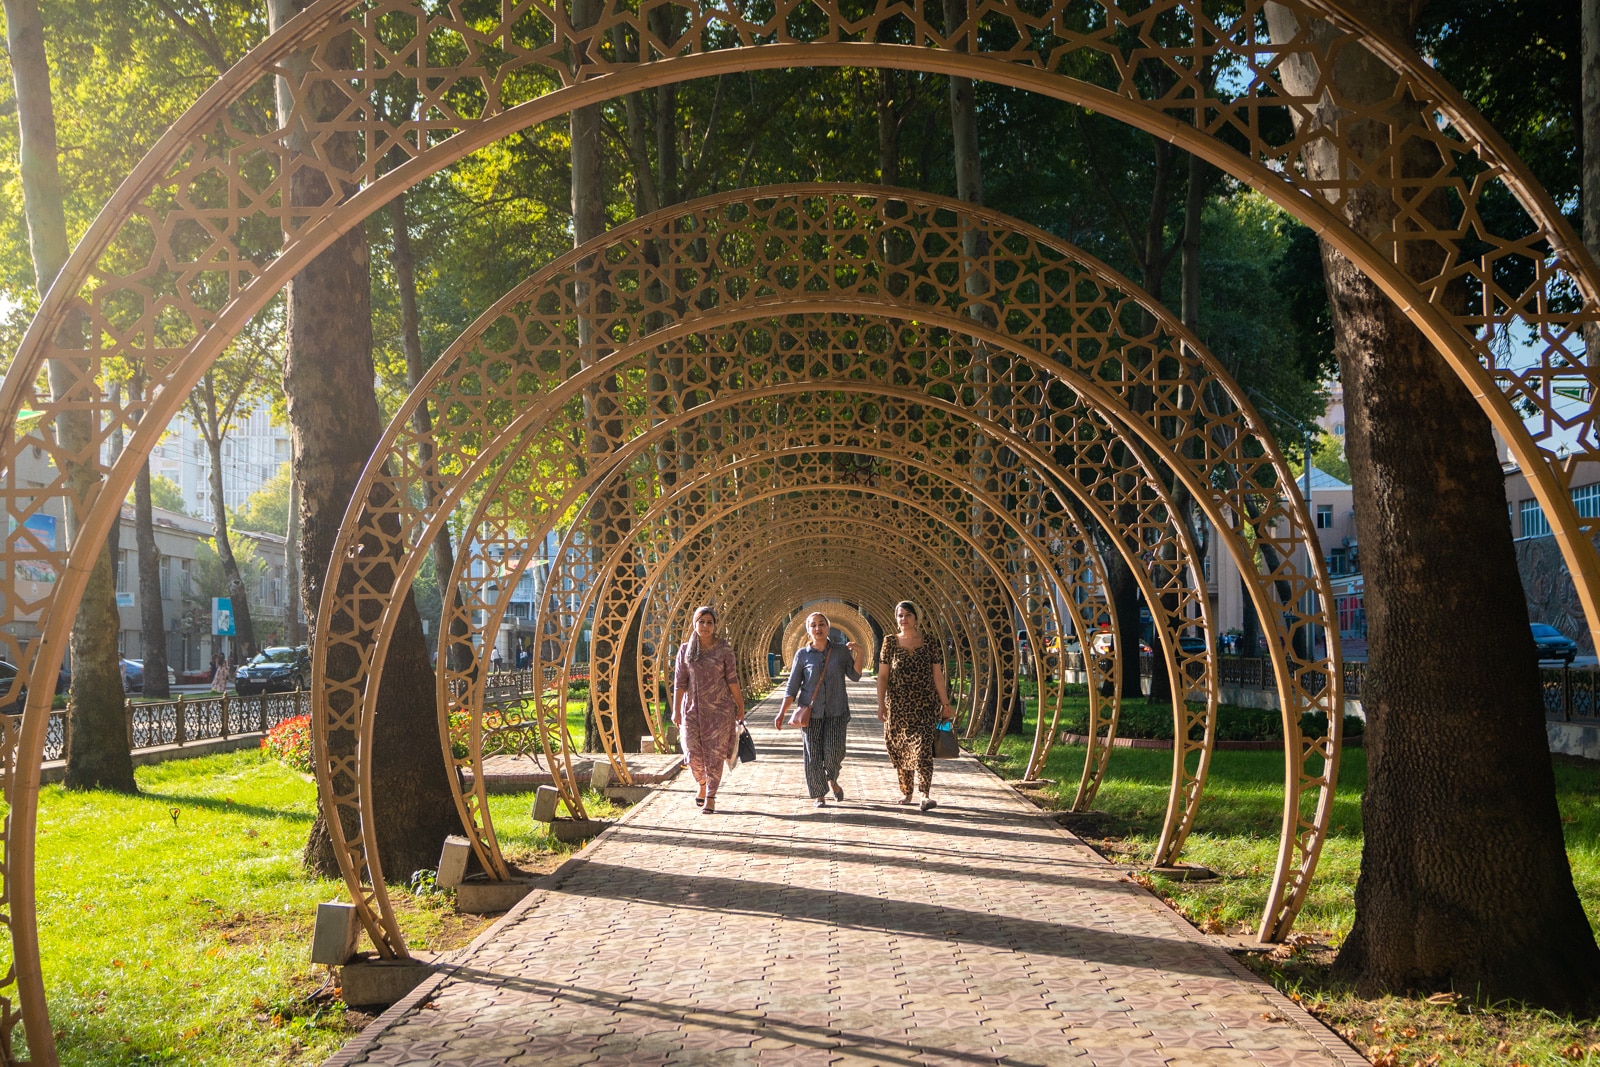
928, 803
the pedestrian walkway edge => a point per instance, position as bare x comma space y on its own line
1324, 1034
447, 965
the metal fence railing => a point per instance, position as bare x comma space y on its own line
190, 719
1570, 694
212, 716
1255, 672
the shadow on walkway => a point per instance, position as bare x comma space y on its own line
858, 911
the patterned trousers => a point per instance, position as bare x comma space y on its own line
910, 745
823, 745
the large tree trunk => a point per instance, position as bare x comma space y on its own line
1464, 876
603, 409
335, 424
968, 165
405, 274
97, 731
152, 620
1194, 202
1589, 128
293, 612
244, 629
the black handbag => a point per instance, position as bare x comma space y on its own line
747, 747
945, 745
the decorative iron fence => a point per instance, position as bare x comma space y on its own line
189, 719
1255, 672
514, 686
1570, 694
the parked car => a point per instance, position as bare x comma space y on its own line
1192, 646
8, 671
1551, 643
134, 670
274, 670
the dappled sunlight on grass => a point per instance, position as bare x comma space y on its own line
1236, 835
176, 925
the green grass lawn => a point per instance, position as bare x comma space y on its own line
1236, 835
176, 925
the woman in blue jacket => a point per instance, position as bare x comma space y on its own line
817, 680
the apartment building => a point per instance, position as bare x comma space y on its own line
252, 454
185, 606
1552, 598
1332, 508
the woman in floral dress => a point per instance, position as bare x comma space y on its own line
912, 698
707, 705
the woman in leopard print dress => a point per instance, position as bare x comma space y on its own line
912, 698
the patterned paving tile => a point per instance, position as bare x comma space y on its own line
776, 933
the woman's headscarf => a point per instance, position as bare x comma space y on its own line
693, 655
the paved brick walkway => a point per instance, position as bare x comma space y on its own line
863, 933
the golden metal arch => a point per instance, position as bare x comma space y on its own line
500, 544
175, 330
1018, 379
850, 620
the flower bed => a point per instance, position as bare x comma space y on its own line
289, 743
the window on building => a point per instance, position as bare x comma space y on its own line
1352, 616
166, 577
1586, 498
1534, 524
1339, 562
1324, 516
184, 576
124, 569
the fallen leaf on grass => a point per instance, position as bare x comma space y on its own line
1274, 1017
1444, 998
1384, 1056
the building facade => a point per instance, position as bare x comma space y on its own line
1546, 582
185, 604
252, 454
1332, 508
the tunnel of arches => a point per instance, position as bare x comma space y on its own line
829, 323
